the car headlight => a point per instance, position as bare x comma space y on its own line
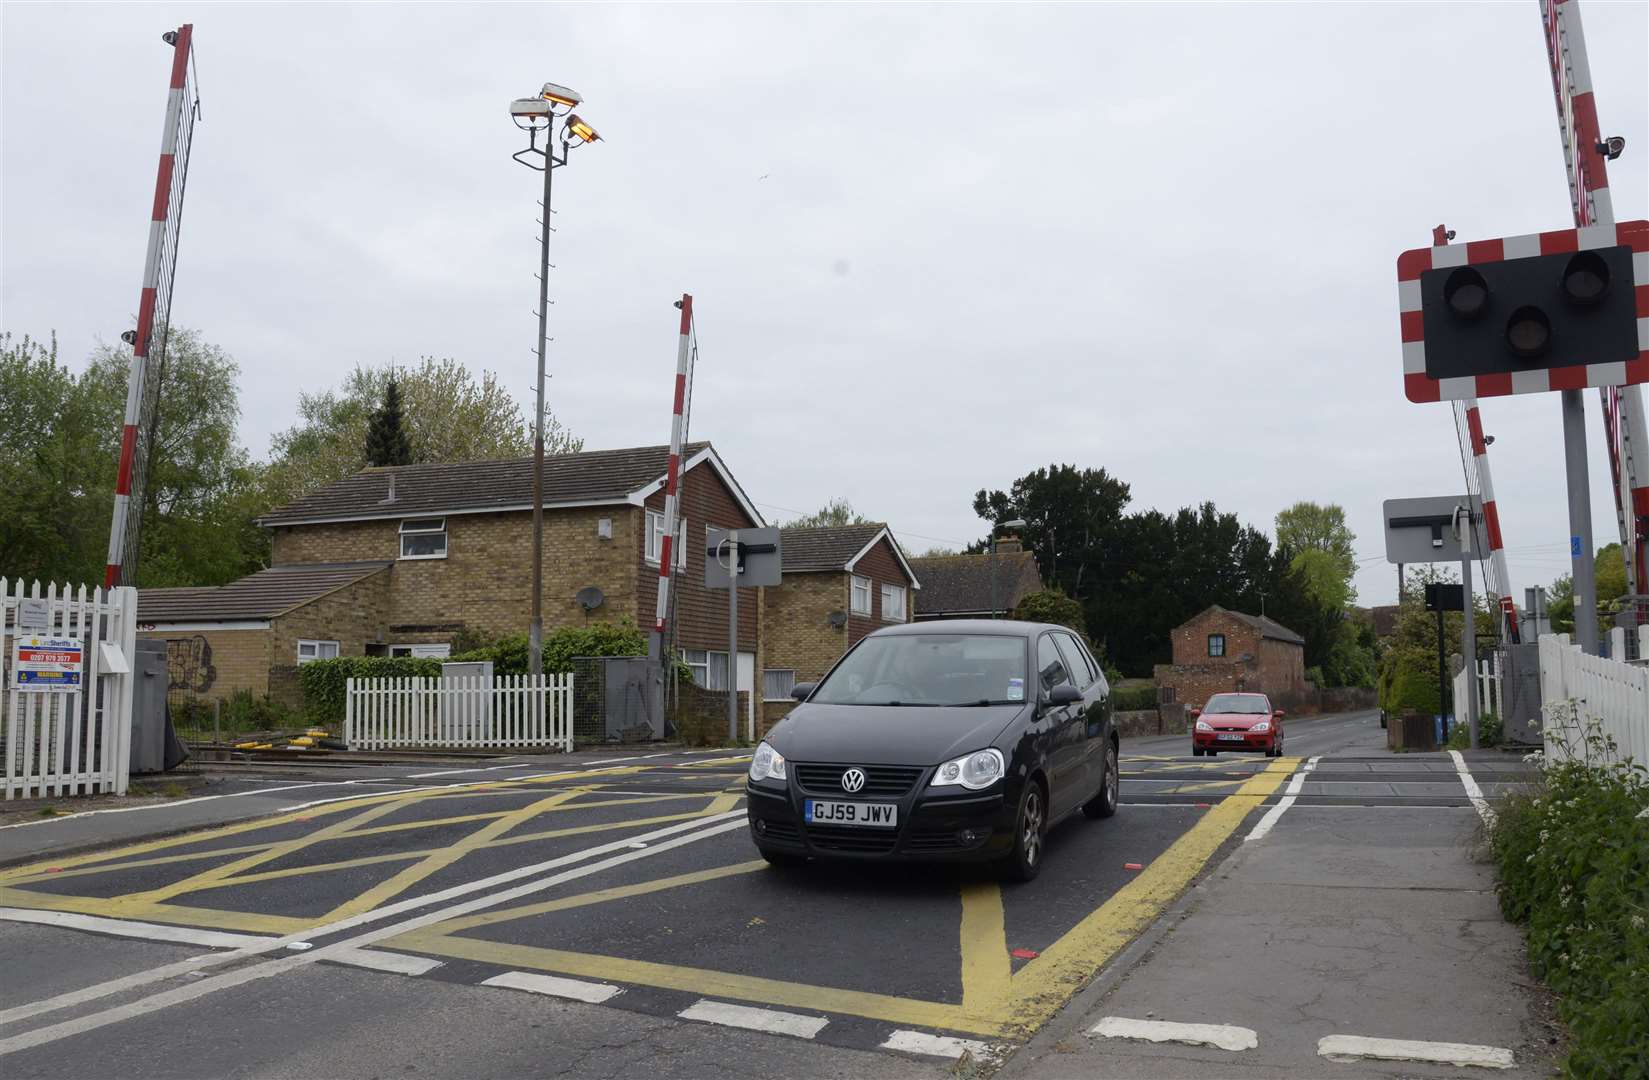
1203, 725
980, 769
1261, 725
768, 764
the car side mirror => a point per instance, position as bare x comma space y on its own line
1278, 714
1194, 711
1064, 694
801, 690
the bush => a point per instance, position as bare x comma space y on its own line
1052, 606
509, 654
1573, 859
1134, 699
324, 681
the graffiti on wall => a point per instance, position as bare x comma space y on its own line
189, 664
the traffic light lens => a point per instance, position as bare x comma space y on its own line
1466, 293
1586, 278
1528, 332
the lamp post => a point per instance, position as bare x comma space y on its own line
533, 115
1015, 523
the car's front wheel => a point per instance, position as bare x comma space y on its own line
1025, 862
1104, 804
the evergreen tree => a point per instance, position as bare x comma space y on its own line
386, 439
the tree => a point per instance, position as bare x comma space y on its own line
835, 512
449, 416
1307, 527
1052, 606
1073, 520
386, 441
1609, 573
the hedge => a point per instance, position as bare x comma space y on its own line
509, 654
1144, 697
323, 681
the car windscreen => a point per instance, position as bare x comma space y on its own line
929, 669
1237, 703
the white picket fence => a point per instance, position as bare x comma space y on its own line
63, 743
1490, 697
1614, 694
460, 712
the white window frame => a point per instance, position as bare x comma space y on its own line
893, 590
435, 651
701, 662
768, 673
654, 542
867, 586
317, 648
422, 527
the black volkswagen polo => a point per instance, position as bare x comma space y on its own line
955, 740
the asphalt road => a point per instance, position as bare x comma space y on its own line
610, 919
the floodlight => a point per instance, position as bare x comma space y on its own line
581, 129
560, 95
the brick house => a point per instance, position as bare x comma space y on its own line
1219, 650
959, 586
452, 544
840, 583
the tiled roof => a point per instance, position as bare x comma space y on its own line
1270, 628
962, 583
590, 476
826, 548
263, 595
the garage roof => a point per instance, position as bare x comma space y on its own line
263, 595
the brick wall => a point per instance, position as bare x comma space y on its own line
1191, 639
1275, 668
796, 631
1282, 667
880, 566
215, 663
700, 613
352, 616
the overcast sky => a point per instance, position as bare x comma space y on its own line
931, 248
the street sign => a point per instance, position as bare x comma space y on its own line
759, 560
47, 664
1431, 529
1559, 310
1441, 596
33, 615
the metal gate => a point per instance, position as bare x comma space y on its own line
68, 736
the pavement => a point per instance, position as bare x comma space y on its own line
606, 915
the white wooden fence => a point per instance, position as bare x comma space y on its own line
1612, 693
460, 711
78, 742
1490, 696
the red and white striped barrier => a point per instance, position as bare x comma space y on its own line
672, 476
1491, 517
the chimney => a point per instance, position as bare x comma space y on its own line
391, 497
1007, 543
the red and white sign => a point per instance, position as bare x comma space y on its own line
48, 664
1420, 387
1576, 114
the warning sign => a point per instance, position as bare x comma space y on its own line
48, 664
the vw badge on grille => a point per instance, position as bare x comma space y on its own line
853, 780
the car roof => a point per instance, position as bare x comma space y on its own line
998, 627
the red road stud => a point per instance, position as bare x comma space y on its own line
1025, 954
1132, 866
54, 869
1202, 805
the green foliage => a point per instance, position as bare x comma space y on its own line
1134, 698
1319, 535
509, 654
1610, 569
1052, 606
386, 440
1489, 732
1573, 860
834, 512
324, 682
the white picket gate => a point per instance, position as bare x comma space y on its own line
1614, 694
78, 742
1490, 694
460, 712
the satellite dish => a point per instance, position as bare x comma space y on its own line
838, 619
591, 597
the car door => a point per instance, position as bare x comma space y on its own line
1096, 693
1065, 729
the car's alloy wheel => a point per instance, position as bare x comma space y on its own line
1026, 861
1104, 804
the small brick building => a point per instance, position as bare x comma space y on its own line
1219, 650
959, 586
840, 583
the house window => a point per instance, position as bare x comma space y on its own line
439, 651
424, 538
861, 595
1216, 644
777, 683
655, 539
709, 668
316, 650
893, 603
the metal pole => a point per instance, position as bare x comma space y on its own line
993, 571
1442, 678
1468, 639
1580, 521
733, 637
535, 628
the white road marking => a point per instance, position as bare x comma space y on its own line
554, 986
940, 1046
1274, 815
189, 992
455, 772
183, 935
377, 960
731, 819
1220, 1036
1473, 792
1460, 1055
744, 1016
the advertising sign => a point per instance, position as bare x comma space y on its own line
48, 664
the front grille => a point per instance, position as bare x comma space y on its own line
848, 838
881, 781
1219, 727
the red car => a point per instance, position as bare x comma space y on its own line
1237, 722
